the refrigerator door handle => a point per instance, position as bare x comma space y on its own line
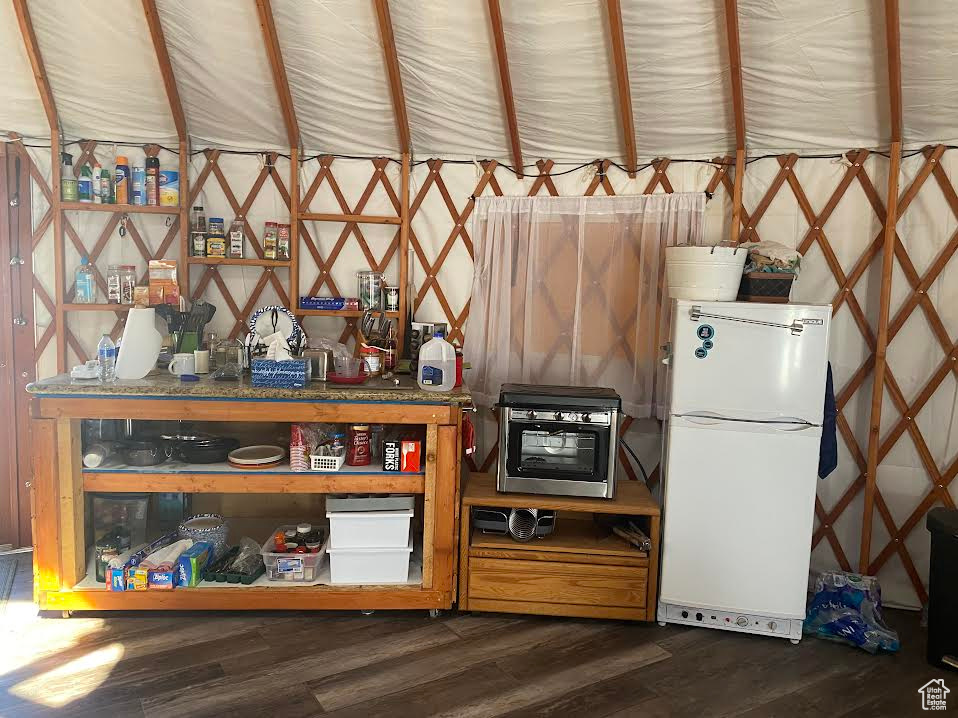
696, 313
782, 423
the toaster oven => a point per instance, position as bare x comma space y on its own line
558, 440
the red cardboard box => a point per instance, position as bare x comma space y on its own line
403, 455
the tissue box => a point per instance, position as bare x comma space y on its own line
289, 374
192, 562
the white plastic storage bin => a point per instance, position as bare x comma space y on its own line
370, 565
704, 273
368, 529
295, 567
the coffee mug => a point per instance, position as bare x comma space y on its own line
201, 358
182, 364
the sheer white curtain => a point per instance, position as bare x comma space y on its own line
571, 290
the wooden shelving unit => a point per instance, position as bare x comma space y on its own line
223, 478
60, 484
582, 569
244, 262
357, 218
64, 338
355, 313
117, 208
100, 307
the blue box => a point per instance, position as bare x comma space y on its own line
289, 374
326, 303
192, 563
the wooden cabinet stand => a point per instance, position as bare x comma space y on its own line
582, 569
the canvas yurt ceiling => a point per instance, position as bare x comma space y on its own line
814, 75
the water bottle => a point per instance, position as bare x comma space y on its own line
106, 358
437, 364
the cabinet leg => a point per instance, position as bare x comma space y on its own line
66, 614
434, 613
368, 611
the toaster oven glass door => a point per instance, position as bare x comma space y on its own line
558, 450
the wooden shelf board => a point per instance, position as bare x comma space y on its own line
245, 262
97, 307
358, 218
338, 313
117, 208
570, 536
223, 478
631, 498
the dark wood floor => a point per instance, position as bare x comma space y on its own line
406, 664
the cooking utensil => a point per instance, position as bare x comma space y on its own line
146, 452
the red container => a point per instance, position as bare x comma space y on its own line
358, 445
458, 368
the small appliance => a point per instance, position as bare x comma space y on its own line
558, 440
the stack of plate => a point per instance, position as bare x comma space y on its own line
257, 457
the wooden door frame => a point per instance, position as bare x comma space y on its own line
17, 341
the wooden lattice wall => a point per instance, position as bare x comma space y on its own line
441, 206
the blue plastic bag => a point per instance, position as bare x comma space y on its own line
846, 608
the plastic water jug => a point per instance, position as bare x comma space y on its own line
437, 364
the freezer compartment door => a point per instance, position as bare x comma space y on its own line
738, 514
734, 361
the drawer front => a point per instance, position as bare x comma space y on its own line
558, 582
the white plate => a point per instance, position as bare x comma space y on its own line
260, 454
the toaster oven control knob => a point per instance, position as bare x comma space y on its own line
586, 418
558, 416
531, 414
741, 621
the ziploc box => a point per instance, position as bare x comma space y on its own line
192, 563
132, 578
163, 580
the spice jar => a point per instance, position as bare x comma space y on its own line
372, 359
127, 283
357, 445
113, 293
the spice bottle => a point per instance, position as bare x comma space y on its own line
237, 240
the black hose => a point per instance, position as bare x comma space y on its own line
628, 448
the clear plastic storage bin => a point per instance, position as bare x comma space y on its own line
294, 567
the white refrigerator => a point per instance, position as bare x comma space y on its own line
741, 448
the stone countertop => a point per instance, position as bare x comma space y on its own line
163, 384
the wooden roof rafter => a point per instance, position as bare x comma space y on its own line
505, 85
738, 109
36, 64
166, 67
392, 70
275, 55
624, 91
893, 48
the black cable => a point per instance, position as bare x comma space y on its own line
628, 448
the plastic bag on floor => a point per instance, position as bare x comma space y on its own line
846, 607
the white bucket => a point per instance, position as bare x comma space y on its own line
706, 273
